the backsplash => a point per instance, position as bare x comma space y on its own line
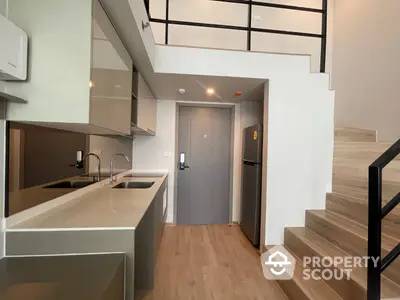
38, 156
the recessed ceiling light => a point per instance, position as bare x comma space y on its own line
238, 94
181, 91
210, 91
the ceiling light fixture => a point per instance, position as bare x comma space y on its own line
210, 91
181, 91
238, 94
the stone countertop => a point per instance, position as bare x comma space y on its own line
101, 208
78, 277
30, 197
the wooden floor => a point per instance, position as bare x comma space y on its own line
210, 262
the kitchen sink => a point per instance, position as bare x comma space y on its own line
134, 185
76, 184
144, 175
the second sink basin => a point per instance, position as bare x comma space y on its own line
76, 184
134, 185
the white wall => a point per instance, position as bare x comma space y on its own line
299, 129
262, 17
3, 11
366, 65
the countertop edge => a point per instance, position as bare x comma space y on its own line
58, 203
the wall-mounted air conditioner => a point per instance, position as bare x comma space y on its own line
13, 51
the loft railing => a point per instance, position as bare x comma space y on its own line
375, 216
249, 28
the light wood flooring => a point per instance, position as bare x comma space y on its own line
210, 262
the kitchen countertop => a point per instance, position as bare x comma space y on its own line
26, 198
78, 277
103, 207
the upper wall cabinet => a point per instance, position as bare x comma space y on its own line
80, 74
146, 107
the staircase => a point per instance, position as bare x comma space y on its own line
341, 229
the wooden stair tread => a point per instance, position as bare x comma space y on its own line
324, 248
388, 243
300, 289
358, 187
355, 134
357, 209
361, 150
358, 168
350, 236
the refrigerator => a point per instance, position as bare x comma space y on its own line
251, 183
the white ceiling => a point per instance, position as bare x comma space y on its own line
166, 88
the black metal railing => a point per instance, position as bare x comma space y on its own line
249, 28
375, 216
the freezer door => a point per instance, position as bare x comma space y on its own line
251, 201
252, 143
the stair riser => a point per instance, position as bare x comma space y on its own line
361, 151
292, 290
349, 242
355, 135
347, 289
358, 212
360, 190
353, 168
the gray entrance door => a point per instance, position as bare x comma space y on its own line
204, 178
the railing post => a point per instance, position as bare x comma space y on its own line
147, 6
374, 231
249, 21
324, 33
166, 21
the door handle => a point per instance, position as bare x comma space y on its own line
182, 165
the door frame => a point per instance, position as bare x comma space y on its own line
235, 110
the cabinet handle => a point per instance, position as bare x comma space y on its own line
145, 25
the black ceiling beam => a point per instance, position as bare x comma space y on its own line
274, 5
232, 27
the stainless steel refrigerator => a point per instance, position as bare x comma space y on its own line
251, 183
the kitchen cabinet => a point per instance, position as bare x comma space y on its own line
145, 121
148, 236
80, 73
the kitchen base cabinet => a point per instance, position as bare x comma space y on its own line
148, 236
100, 276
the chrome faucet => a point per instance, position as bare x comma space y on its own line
98, 163
111, 165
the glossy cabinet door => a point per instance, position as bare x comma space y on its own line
153, 115
146, 107
111, 76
